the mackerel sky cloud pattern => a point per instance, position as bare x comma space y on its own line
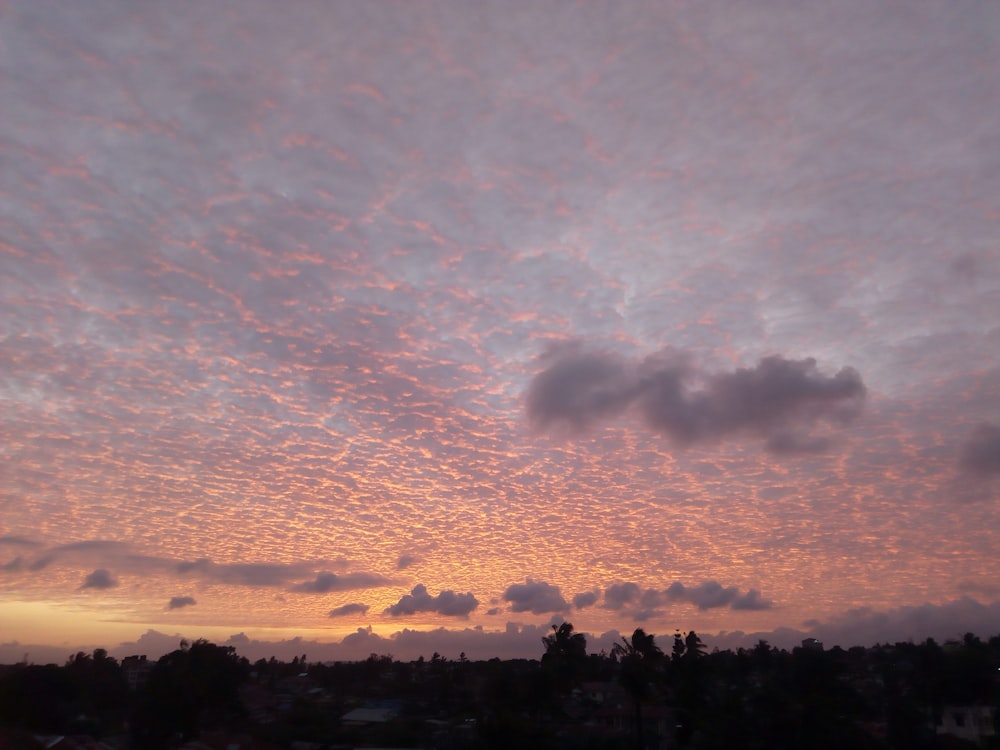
306, 306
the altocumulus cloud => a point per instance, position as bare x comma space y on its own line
179, 602
99, 579
780, 400
537, 597
445, 603
349, 609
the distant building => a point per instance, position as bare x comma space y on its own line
812, 644
136, 670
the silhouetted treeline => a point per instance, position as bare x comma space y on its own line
648, 692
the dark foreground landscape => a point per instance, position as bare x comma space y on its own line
649, 692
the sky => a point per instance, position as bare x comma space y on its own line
419, 326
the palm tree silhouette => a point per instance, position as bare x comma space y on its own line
640, 660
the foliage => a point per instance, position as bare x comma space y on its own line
565, 656
879, 698
190, 688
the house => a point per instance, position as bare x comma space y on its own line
974, 723
363, 716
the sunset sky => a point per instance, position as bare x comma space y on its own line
419, 326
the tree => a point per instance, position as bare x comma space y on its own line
101, 690
687, 680
641, 660
564, 658
196, 685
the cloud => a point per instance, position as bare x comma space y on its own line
405, 561
706, 595
644, 603
278, 574
752, 601
91, 545
586, 599
578, 388
42, 562
98, 553
349, 609
445, 603
120, 555
326, 582
853, 627
536, 597
980, 453
99, 579
238, 639
179, 602
513, 641
867, 626
246, 574
780, 400
618, 595
18, 541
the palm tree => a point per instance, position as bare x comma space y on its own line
565, 654
640, 660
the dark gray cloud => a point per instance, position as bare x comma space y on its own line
98, 552
445, 603
278, 574
325, 582
867, 626
245, 574
980, 453
41, 562
751, 600
712, 594
99, 579
91, 545
645, 603
537, 597
18, 541
405, 561
706, 595
619, 595
179, 602
349, 609
578, 388
120, 555
586, 599
780, 400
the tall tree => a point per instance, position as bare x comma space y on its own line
193, 686
565, 656
641, 661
